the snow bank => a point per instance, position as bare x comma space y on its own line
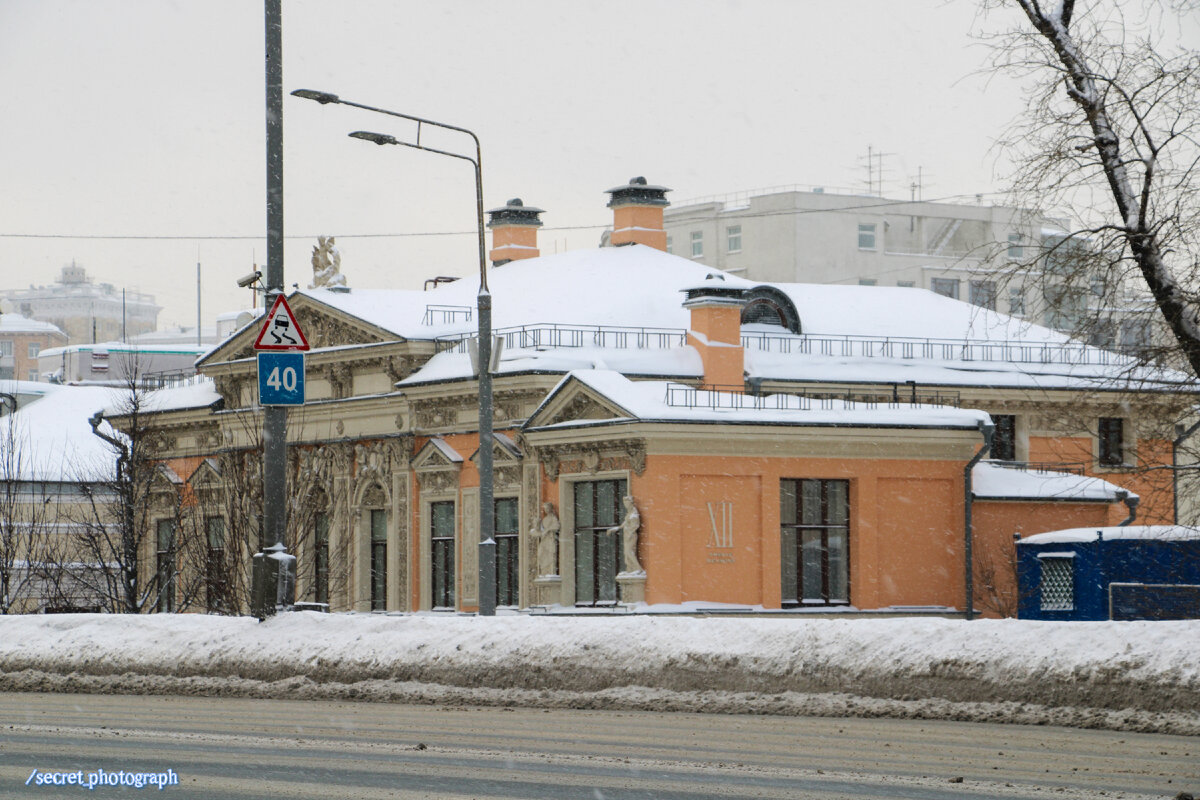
1113, 671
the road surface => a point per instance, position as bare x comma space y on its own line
249, 749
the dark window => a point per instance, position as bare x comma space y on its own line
1111, 445
815, 542
321, 557
215, 583
1004, 438
983, 294
597, 547
441, 516
166, 565
507, 558
378, 559
946, 287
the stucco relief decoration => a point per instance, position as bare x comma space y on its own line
340, 380
628, 529
438, 481
327, 265
398, 367
437, 415
545, 533
508, 477
372, 462
230, 389
627, 454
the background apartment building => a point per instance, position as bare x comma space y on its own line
21, 341
964, 251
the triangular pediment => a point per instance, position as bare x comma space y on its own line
323, 326
504, 450
575, 401
436, 454
207, 475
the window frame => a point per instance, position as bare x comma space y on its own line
868, 229
164, 564
377, 520
697, 240
948, 283
1110, 442
446, 599
215, 579
733, 233
508, 553
1004, 437
795, 529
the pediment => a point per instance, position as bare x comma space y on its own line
504, 451
436, 454
575, 402
323, 326
207, 475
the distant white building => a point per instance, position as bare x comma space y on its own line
87, 311
112, 363
958, 250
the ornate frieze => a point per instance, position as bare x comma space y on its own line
600, 457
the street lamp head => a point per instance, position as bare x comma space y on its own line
377, 138
323, 98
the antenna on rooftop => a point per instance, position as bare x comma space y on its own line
875, 170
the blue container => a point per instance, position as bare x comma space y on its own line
1136, 572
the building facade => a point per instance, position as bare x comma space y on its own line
1001, 258
88, 312
21, 341
668, 435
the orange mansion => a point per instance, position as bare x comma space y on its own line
668, 435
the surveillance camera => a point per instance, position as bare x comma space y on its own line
247, 280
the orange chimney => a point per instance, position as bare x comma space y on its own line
716, 330
638, 214
514, 232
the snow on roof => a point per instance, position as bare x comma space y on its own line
16, 323
672, 402
124, 347
201, 393
1159, 533
677, 362
638, 287
54, 439
994, 481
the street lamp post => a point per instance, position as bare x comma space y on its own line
487, 520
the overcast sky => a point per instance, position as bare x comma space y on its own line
145, 118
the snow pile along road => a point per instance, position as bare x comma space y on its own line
1127, 675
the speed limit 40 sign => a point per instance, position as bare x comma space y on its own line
281, 379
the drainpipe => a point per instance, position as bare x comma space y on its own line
987, 429
1180, 437
1131, 502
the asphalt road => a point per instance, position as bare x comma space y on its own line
242, 749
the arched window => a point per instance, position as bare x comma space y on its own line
766, 305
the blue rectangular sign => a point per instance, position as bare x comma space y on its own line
281, 379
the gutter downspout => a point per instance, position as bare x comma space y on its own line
987, 429
1131, 502
1180, 437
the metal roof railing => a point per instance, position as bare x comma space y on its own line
552, 335
733, 398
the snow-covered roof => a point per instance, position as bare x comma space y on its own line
54, 440
16, 323
994, 481
123, 347
890, 334
663, 401
200, 393
1160, 533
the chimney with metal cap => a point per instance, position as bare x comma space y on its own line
638, 214
514, 232
716, 329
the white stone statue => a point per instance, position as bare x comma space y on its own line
546, 536
327, 265
629, 536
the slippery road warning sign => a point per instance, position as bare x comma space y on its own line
280, 331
